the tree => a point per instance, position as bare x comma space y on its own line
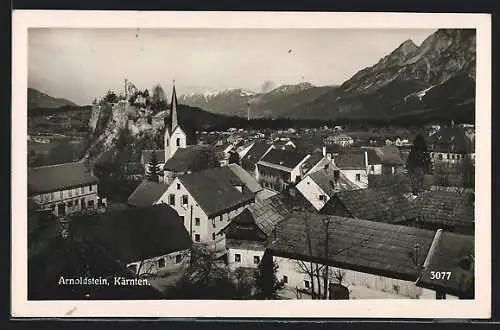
266, 281
418, 163
154, 171
234, 158
159, 98
110, 97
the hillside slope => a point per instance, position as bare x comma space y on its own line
37, 100
438, 78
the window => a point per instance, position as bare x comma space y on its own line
453, 157
91, 204
196, 237
52, 196
220, 217
82, 190
447, 156
70, 192
90, 188
161, 263
358, 177
70, 203
171, 199
213, 236
166, 142
178, 258
237, 257
256, 260
372, 168
440, 157
184, 199
178, 186
82, 201
306, 284
322, 197
178, 142
196, 221
61, 195
285, 279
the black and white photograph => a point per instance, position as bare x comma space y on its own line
259, 163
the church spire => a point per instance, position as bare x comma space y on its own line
173, 106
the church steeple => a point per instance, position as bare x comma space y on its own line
173, 105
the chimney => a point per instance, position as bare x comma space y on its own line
324, 151
366, 159
238, 186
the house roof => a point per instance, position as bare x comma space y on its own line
452, 253
399, 180
246, 178
325, 179
446, 208
254, 155
390, 155
147, 193
148, 154
350, 160
384, 204
243, 227
67, 257
452, 140
360, 245
184, 159
374, 158
313, 160
135, 234
214, 190
286, 158
59, 177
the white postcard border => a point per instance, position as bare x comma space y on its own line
477, 308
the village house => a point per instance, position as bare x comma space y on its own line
450, 145
147, 193
354, 166
280, 169
384, 204
369, 260
206, 201
63, 188
384, 160
147, 240
254, 154
339, 139
246, 235
284, 144
448, 208
319, 186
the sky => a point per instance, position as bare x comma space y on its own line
81, 64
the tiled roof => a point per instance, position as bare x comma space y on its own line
184, 159
214, 190
243, 227
360, 245
286, 158
254, 155
384, 204
400, 180
264, 215
453, 253
374, 158
452, 140
147, 193
347, 161
58, 177
446, 208
148, 154
135, 234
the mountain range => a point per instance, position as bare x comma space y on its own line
435, 80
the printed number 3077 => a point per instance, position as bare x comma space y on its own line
440, 275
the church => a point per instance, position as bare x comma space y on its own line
181, 152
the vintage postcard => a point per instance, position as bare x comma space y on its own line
251, 164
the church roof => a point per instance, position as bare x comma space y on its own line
184, 159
